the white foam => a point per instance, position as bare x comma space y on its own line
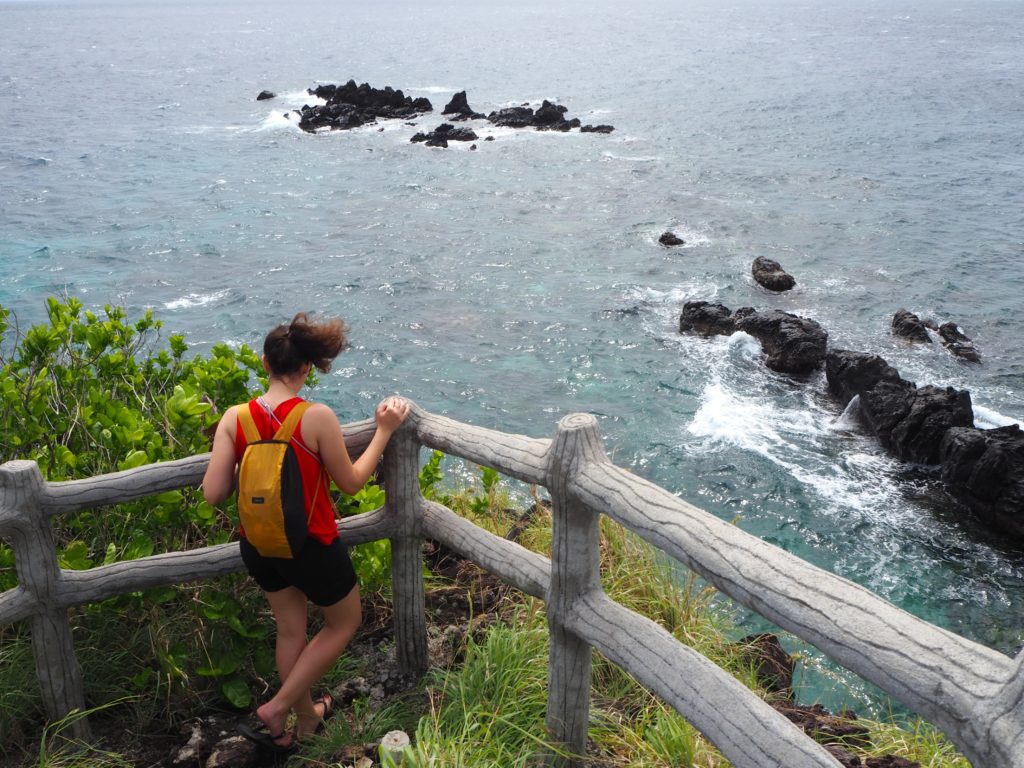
195, 300
434, 89
691, 238
849, 420
278, 120
986, 418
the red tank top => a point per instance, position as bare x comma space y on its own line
322, 526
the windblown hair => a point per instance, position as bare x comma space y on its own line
302, 340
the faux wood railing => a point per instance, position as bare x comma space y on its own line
974, 694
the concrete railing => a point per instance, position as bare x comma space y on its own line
974, 694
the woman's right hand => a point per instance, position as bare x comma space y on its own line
391, 413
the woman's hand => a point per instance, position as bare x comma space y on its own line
391, 413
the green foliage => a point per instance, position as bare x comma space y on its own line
431, 475
88, 393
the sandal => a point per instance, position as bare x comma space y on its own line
267, 740
325, 700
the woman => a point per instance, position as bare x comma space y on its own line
321, 572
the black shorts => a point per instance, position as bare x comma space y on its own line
323, 572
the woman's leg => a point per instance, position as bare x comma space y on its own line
341, 621
289, 607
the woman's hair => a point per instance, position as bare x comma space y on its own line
302, 340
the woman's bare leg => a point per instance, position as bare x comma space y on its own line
302, 664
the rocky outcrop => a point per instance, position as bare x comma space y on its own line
458, 108
547, 117
706, 319
909, 420
264, 95
958, 343
597, 128
670, 239
793, 344
440, 136
907, 325
985, 470
350, 105
769, 274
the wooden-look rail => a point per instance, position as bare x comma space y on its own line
972, 692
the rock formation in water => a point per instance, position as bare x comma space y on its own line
907, 325
264, 95
547, 117
769, 274
985, 470
351, 105
670, 239
706, 319
958, 343
929, 425
793, 344
445, 132
458, 109
909, 420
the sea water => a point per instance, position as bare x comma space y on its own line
873, 148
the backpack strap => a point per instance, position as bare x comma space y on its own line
245, 419
291, 421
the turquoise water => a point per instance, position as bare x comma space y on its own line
874, 149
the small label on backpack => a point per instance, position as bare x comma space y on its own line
257, 500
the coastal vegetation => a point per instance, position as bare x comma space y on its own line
87, 393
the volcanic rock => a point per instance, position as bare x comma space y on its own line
512, 117
548, 117
351, 105
670, 239
264, 95
909, 420
793, 344
985, 470
706, 319
597, 129
445, 132
770, 274
958, 343
909, 326
458, 108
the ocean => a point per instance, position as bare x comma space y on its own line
874, 149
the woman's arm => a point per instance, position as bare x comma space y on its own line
219, 480
330, 442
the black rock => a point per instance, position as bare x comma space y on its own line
958, 343
910, 421
706, 319
264, 95
770, 274
512, 117
351, 105
440, 136
459, 105
671, 238
597, 129
985, 470
909, 326
793, 344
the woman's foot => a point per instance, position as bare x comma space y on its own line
323, 707
276, 737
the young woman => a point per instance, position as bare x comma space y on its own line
322, 572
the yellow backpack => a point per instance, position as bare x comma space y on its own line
271, 501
